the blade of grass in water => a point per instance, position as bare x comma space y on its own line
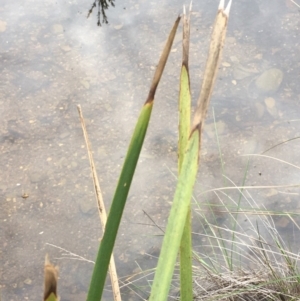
186, 279
219, 148
189, 168
119, 200
237, 213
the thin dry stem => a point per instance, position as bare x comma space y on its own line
101, 207
250, 187
295, 3
69, 254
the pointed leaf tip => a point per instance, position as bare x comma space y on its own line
191, 5
50, 280
227, 9
221, 5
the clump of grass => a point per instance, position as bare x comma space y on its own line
245, 257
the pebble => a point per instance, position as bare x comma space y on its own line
210, 128
87, 207
225, 64
118, 27
3, 25
65, 48
270, 102
28, 281
57, 28
271, 106
231, 40
269, 81
74, 165
108, 107
64, 135
85, 84
234, 59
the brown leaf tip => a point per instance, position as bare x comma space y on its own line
50, 278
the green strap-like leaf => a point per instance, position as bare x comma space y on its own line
176, 221
189, 168
120, 196
185, 252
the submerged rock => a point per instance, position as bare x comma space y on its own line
87, 207
269, 81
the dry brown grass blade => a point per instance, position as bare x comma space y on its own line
101, 207
186, 37
162, 62
210, 73
50, 279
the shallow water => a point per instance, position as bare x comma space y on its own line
53, 58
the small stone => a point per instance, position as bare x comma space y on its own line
234, 59
101, 151
85, 84
25, 195
272, 192
225, 64
118, 27
57, 28
270, 102
258, 56
64, 135
74, 165
65, 48
231, 40
28, 281
269, 81
108, 107
210, 128
2, 26
87, 207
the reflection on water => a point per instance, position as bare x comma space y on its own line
101, 6
53, 58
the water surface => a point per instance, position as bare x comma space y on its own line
53, 58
